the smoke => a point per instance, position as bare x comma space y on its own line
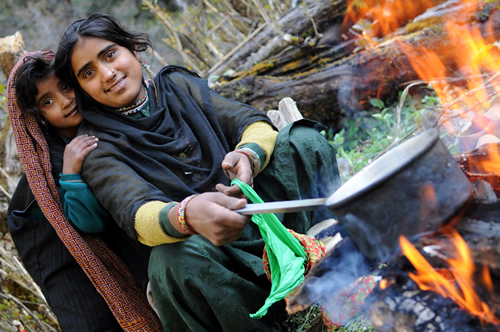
347, 100
343, 279
369, 238
338, 269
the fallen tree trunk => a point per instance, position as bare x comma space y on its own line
330, 83
299, 23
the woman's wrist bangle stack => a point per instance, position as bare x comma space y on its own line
181, 215
254, 158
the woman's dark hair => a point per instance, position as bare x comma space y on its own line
34, 69
96, 25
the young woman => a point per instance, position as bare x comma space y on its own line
175, 140
39, 102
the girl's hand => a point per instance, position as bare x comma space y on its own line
236, 165
211, 215
76, 151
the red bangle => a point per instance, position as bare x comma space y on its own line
181, 215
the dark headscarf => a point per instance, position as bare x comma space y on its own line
108, 273
174, 152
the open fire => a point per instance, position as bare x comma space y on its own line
468, 87
456, 282
462, 285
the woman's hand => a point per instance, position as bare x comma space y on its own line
76, 151
236, 165
211, 215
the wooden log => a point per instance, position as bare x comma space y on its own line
403, 306
286, 114
329, 86
295, 25
473, 164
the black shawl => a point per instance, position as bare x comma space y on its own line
174, 152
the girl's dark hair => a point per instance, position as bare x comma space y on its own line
33, 70
96, 25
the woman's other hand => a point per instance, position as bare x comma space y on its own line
236, 165
76, 151
211, 215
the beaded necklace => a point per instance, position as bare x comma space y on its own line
136, 107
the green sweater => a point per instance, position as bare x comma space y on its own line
81, 207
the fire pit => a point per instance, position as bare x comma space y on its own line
406, 298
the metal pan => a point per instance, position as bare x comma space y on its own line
414, 188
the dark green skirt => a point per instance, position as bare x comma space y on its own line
200, 287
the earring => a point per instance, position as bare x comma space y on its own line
148, 69
113, 71
150, 73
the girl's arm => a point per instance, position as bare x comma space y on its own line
80, 205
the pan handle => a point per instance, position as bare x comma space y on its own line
283, 206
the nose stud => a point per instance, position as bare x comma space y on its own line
113, 71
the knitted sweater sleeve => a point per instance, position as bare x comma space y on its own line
81, 207
259, 133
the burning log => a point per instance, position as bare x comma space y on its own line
482, 163
405, 307
330, 82
400, 304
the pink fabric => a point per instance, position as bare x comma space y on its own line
110, 276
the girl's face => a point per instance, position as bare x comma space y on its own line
56, 101
109, 73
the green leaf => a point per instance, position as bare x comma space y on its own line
377, 103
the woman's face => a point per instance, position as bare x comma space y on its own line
109, 73
56, 100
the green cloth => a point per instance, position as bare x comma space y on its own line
287, 258
200, 287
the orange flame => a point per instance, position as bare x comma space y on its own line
462, 268
461, 64
386, 16
491, 163
468, 53
463, 72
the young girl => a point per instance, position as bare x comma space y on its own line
37, 99
175, 140
39, 93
